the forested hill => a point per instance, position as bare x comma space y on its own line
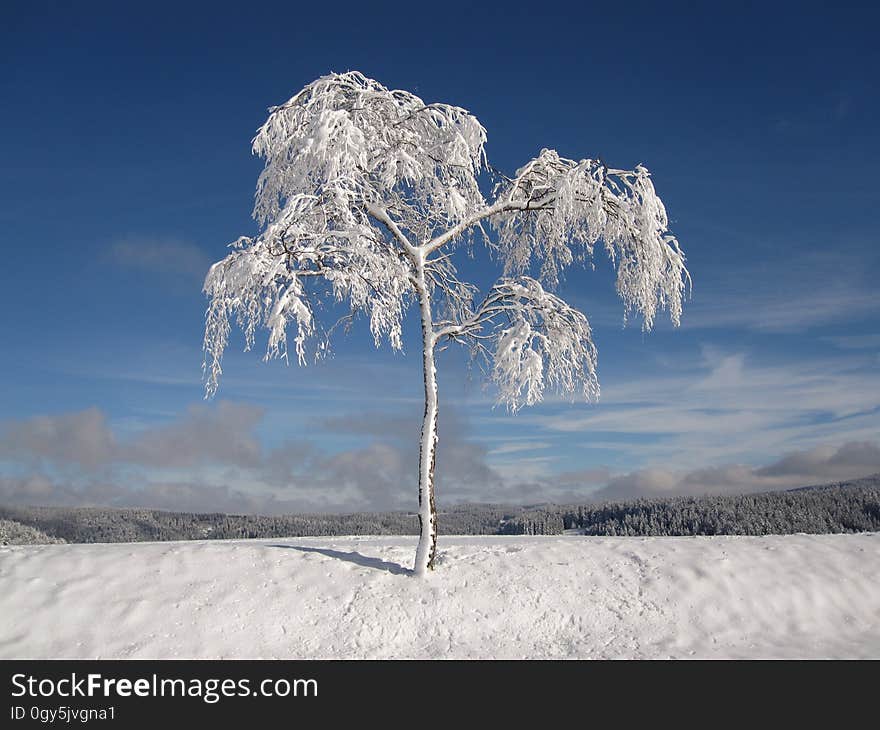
841, 507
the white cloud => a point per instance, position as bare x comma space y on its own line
728, 409
515, 447
814, 288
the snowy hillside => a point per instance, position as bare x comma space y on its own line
492, 597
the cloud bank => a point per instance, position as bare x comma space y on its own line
818, 465
210, 459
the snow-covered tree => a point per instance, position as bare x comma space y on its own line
366, 193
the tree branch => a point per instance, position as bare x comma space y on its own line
381, 215
502, 206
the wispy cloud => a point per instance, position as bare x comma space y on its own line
818, 465
161, 255
516, 447
855, 342
780, 309
787, 297
728, 409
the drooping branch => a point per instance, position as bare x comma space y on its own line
261, 282
533, 340
591, 202
254, 287
555, 210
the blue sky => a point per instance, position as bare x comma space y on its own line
127, 168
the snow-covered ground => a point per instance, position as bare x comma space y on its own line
504, 597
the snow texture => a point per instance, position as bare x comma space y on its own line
791, 596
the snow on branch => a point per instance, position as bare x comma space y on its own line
354, 172
357, 143
364, 195
263, 283
555, 210
533, 340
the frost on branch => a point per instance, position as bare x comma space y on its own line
365, 194
254, 287
353, 172
557, 209
271, 280
351, 141
534, 340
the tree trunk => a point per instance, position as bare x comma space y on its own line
427, 548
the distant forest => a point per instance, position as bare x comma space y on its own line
841, 507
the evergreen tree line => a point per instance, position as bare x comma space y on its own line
850, 507
16, 533
843, 507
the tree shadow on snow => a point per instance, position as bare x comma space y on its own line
352, 557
